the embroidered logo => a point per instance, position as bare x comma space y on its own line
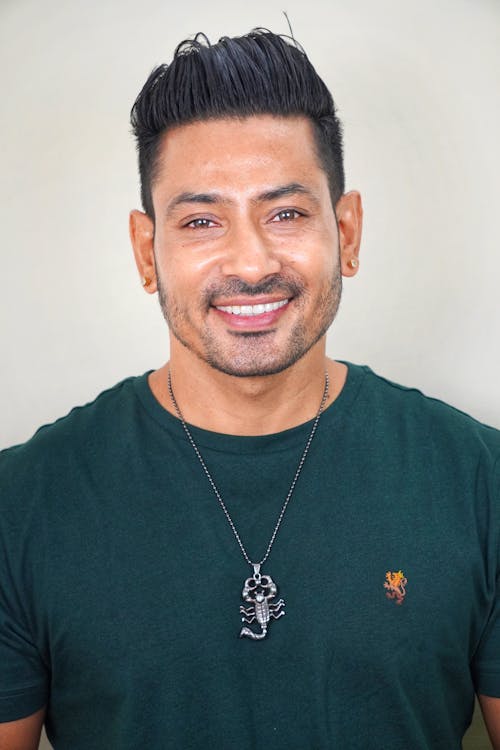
395, 584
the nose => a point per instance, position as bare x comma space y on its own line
250, 255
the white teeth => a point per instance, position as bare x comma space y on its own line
252, 309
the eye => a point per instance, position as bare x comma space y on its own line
287, 214
200, 223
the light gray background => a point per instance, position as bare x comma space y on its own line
417, 87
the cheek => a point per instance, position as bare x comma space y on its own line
181, 269
315, 252
181, 252
314, 262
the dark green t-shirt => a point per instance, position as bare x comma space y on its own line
120, 579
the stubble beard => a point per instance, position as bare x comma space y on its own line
254, 354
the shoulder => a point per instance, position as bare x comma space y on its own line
407, 412
50, 483
82, 431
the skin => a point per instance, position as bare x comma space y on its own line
491, 714
221, 227
243, 242
23, 734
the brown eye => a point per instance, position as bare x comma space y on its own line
288, 214
200, 223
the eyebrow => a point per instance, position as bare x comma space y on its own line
283, 190
280, 191
193, 198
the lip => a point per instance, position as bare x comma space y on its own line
259, 322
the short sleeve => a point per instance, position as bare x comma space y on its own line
23, 674
23, 678
487, 660
486, 667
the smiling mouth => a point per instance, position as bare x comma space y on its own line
249, 310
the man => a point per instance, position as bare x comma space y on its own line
253, 546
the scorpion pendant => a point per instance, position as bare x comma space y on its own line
258, 590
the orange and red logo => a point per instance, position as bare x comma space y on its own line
395, 583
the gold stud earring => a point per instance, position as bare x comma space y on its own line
146, 281
353, 263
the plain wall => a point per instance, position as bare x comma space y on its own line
417, 88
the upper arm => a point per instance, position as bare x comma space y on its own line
23, 734
491, 714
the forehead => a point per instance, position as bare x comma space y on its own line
237, 154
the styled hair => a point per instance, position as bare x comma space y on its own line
259, 73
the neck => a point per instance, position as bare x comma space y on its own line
260, 405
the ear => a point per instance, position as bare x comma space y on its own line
349, 212
141, 228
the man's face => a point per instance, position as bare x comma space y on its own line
246, 242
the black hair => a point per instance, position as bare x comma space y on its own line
259, 73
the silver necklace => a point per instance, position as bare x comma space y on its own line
259, 589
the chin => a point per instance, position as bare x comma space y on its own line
259, 360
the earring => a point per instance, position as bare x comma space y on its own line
353, 263
146, 281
